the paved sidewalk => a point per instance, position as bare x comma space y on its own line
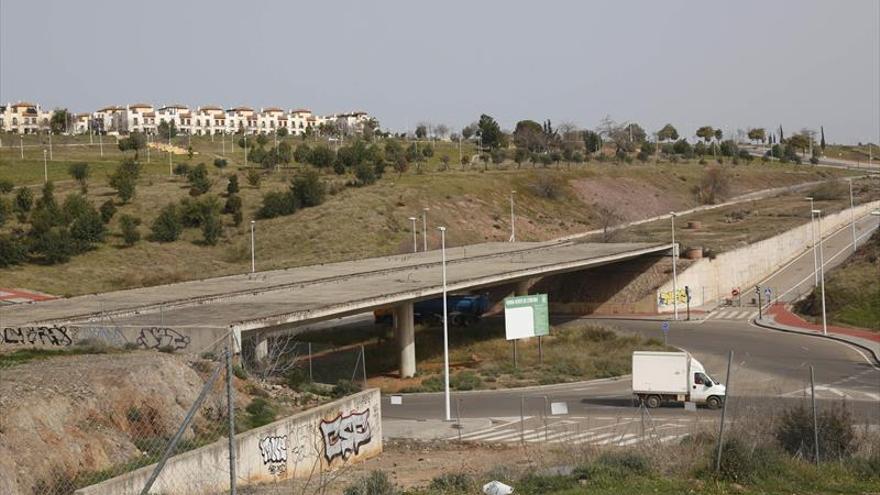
779, 317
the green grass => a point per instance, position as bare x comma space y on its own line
22, 356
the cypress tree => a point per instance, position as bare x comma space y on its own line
822, 141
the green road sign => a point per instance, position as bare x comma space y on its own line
526, 316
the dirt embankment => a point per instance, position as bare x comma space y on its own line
68, 415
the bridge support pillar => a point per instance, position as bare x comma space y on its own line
522, 287
261, 347
405, 335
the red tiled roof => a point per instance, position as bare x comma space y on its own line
301, 110
23, 104
272, 109
141, 105
210, 107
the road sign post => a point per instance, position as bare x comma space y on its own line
758, 293
665, 327
687, 296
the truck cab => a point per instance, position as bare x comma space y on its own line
703, 388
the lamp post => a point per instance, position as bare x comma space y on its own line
852, 213
674, 270
21, 145
415, 242
445, 325
45, 167
818, 214
815, 252
253, 253
512, 219
425, 229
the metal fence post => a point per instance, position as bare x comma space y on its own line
723, 413
311, 379
522, 418
815, 419
183, 426
364, 365
230, 413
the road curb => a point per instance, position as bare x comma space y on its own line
769, 326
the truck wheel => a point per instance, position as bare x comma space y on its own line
713, 402
653, 401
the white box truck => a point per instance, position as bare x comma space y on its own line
659, 377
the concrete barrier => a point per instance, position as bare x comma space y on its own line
325, 438
711, 280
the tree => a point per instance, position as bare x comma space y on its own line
60, 121
198, 180
167, 130
125, 185
714, 185
441, 131
469, 131
212, 228
400, 165
822, 141
490, 132
232, 186
262, 139
624, 137
608, 218
421, 131
800, 141
233, 207
80, 173
276, 204
592, 141
253, 178
107, 210
718, 135
220, 163
706, 133
6, 186
444, 160
364, 174
129, 227
23, 202
757, 134
322, 157
308, 189
529, 135
301, 154
13, 250
781, 134
667, 133
167, 226
134, 142
282, 132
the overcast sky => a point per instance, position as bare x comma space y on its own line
799, 63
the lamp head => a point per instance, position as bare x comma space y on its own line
253, 222
441, 229
809, 198
816, 212
412, 218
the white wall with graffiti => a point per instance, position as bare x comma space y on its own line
153, 337
735, 272
323, 439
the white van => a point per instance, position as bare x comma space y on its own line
659, 377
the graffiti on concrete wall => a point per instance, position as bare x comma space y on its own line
345, 435
273, 450
108, 335
668, 298
156, 338
51, 336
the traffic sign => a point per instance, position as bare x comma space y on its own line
767, 292
665, 327
526, 316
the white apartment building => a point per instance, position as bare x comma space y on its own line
23, 118
207, 120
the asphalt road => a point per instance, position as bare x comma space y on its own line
770, 369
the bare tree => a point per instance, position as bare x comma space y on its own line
441, 131
608, 219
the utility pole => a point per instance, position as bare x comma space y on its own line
822, 272
674, 270
45, 168
415, 242
852, 213
512, 219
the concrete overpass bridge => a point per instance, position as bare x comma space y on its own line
203, 312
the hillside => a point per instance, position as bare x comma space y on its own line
852, 290
355, 222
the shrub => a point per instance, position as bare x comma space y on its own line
212, 228
193, 212
5, 210
836, 436
13, 250
87, 228
301, 154
182, 169
6, 186
233, 204
167, 226
124, 180
232, 186
375, 483
741, 464
344, 387
260, 412
829, 191
80, 173
220, 162
714, 185
547, 186
308, 189
253, 178
465, 380
364, 174
198, 180
276, 204
107, 209
129, 226
54, 245
453, 483
296, 378
24, 201
322, 156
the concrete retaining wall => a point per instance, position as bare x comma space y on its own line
189, 339
711, 280
343, 432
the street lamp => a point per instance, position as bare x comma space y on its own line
253, 254
512, 219
45, 167
672, 216
445, 325
415, 242
818, 214
815, 252
852, 213
425, 229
